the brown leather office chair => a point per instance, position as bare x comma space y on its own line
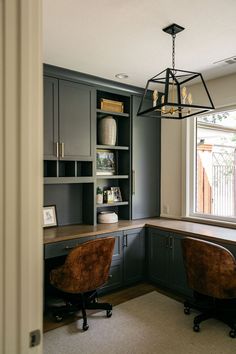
86, 269
211, 274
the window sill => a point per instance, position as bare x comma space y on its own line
206, 221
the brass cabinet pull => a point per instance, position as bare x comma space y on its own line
57, 149
133, 181
62, 145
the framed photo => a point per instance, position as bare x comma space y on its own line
108, 196
105, 162
49, 216
116, 194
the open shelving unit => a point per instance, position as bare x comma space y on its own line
121, 151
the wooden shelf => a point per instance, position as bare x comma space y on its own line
112, 147
112, 176
102, 113
107, 205
65, 180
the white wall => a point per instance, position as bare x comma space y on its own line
223, 93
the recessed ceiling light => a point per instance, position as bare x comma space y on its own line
231, 60
121, 76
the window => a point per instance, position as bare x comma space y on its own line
214, 167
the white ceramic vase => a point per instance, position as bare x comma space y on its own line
107, 131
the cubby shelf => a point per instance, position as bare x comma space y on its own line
107, 205
101, 113
67, 180
112, 147
112, 176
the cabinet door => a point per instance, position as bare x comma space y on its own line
50, 118
134, 255
178, 280
75, 120
158, 256
145, 165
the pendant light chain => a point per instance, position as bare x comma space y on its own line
173, 52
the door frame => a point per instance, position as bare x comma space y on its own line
21, 182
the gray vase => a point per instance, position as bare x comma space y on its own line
107, 131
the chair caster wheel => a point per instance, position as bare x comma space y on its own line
196, 328
58, 318
85, 327
232, 333
109, 313
187, 310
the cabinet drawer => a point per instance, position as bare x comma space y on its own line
64, 247
118, 243
115, 279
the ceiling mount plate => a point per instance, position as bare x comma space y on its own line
173, 29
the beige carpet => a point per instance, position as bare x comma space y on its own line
152, 323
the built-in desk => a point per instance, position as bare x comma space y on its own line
145, 248
209, 232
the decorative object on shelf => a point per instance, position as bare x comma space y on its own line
99, 197
49, 216
116, 194
171, 97
112, 106
105, 162
108, 196
107, 217
107, 131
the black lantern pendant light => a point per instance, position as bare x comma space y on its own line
168, 94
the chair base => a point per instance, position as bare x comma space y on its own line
83, 302
217, 310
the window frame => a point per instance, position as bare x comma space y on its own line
189, 133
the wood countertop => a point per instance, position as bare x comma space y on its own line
63, 233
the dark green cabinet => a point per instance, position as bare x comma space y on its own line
134, 255
68, 120
158, 256
145, 164
116, 270
165, 261
128, 259
75, 120
178, 278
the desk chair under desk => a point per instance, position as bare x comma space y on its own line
211, 274
86, 269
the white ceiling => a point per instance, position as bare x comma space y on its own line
106, 37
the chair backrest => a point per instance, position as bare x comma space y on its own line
86, 267
210, 268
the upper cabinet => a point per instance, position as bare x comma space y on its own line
145, 164
98, 155
75, 120
68, 123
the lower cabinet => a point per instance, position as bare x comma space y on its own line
165, 261
128, 259
116, 271
134, 255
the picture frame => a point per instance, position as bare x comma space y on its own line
49, 216
116, 194
105, 162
